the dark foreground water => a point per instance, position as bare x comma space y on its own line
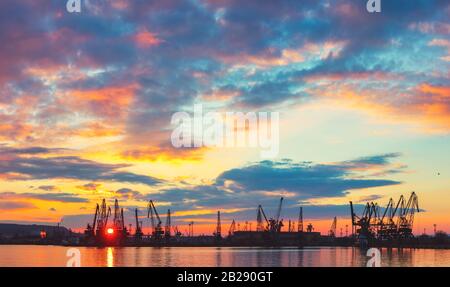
17, 255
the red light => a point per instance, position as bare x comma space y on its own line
110, 231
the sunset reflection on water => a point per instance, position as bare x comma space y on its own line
15, 255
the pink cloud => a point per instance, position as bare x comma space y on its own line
145, 39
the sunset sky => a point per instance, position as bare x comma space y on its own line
86, 101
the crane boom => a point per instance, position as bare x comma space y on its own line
95, 216
152, 209
232, 228
332, 232
279, 210
152, 213
264, 214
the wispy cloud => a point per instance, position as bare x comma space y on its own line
56, 197
70, 167
263, 181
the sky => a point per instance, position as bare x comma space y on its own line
86, 101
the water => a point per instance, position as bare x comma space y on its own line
20, 255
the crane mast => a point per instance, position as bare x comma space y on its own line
167, 232
300, 220
138, 233
102, 220
95, 217
218, 231
152, 213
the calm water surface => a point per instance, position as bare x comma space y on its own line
16, 255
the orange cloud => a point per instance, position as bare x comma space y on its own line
98, 130
119, 4
441, 91
145, 39
14, 130
274, 58
163, 153
425, 105
111, 102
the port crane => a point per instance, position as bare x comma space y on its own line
387, 227
167, 232
152, 213
176, 231
90, 230
396, 222
218, 231
138, 233
300, 220
278, 222
273, 224
259, 220
332, 231
232, 228
191, 229
118, 221
102, 218
406, 216
364, 225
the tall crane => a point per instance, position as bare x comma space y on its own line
232, 228
300, 220
119, 227
102, 218
387, 227
406, 217
332, 231
275, 224
191, 229
152, 213
138, 233
90, 230
259, 220
167, 232
279, 210
365, 222
395, 222
218, 231
118, 220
